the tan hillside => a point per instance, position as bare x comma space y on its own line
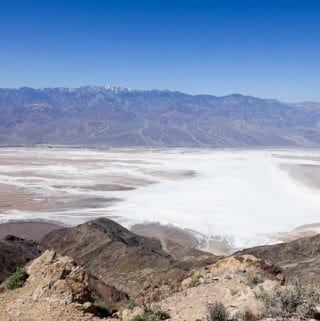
231, 281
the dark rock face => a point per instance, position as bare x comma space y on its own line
120, 258
114, 116
300, 259
109, 295
15, 252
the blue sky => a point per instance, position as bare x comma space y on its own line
264, 48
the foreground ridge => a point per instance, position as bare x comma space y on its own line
100, 269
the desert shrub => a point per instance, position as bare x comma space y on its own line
195, 280
171, 286
151, 314
248, 315
100, 309
217, 312
260, 293
137, 318
16, 280
253, 281
234, 292
228, 277
294, 300
131, 304
245, 315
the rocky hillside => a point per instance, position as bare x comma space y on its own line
56, 289
15, 252
114, 116
232, 281
300, 258
132, 263
100, 263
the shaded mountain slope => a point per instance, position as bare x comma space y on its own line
15, 252
121, 258
300, 258
114, 116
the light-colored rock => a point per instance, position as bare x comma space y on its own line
56, 290
185, 283
128, 314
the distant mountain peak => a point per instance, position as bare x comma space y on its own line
117, 88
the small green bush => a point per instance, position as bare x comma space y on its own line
171, 286
137, 318
16, 280
260, 293
151, 314
253, 281
217, 312
195, 280
228, 277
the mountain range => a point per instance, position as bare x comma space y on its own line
121, 117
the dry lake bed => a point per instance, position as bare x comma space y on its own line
232, 197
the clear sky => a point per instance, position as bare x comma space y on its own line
265, 48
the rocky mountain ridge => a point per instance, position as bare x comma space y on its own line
299, 258
123, 259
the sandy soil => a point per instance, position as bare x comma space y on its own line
301, 231
30, 230
172, 175
217, 247
166, 232
185, 237
19, 198
307, 174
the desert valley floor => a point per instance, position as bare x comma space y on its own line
234, 196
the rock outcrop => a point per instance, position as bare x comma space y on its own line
57, 289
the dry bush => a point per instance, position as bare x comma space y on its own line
291, 301
217, 312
